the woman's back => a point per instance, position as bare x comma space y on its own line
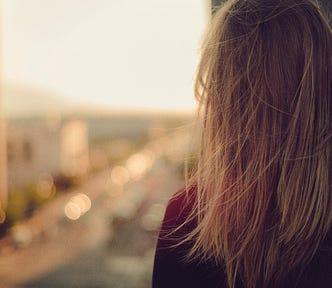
172, 270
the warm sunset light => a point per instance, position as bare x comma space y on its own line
113, 175
118, 54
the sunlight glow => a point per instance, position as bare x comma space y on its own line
121, 54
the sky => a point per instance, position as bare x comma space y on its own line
109, 53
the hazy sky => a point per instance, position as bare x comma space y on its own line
119, 53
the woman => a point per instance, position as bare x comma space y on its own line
257, 211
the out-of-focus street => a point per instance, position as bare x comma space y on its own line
111, 244
96, 104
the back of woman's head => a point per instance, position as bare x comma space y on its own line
264, 199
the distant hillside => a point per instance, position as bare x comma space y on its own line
23, 101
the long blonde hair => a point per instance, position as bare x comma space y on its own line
263, 199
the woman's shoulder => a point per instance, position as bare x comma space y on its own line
171, 266
179, 211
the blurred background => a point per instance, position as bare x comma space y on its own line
96, 113
96, 120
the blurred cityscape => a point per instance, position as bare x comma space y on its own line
83, 187
86, 196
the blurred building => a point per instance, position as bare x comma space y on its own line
37, 147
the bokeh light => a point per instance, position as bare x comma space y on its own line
46, 188
120, 175
77, 206
138, 164
72, 211
21, 235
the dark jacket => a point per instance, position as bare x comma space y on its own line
172, 271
